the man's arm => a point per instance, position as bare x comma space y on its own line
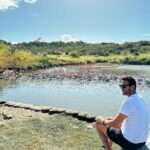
113, 122
117, 121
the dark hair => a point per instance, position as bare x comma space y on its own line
130, 80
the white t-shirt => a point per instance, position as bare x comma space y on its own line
136, 127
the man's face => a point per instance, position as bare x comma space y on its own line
126, 89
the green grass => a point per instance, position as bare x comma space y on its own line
24, 60
118, 59
57, 132
12, 57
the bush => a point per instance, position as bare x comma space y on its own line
74, 55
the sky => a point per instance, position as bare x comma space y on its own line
92, 21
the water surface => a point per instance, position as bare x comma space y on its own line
86, 94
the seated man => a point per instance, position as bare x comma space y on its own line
130, 127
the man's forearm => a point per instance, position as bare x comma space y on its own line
112, 123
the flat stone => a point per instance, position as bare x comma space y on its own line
82, 114
90, 117
27, 106
71, 112
45, 109
53, 110
36, 108
10, 103
18, 105
61, 110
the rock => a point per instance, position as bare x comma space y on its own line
71, 112
2, 102
75, 127
18, 105
45, 109
90, 117
36, 108
82, 115
7, 116
58, 110
89, 126
9, 104
61, 110
27, 106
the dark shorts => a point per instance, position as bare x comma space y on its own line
116, 136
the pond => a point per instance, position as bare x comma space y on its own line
90, 88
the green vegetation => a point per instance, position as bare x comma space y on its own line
20, 59
34, 55
56, 132
81, 48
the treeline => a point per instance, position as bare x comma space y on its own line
81, 48
35, 55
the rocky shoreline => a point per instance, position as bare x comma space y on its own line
48, 110
84, 116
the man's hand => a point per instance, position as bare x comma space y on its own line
99, 119
117, 121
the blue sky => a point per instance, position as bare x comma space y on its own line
70, 20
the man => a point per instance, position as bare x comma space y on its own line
130, 127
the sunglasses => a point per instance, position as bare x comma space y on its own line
123, 86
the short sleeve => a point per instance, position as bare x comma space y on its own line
126, 108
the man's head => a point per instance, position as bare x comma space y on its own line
128, 85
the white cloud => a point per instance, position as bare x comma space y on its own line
67, 38
10, 4
13, 42
146, 34
30, 1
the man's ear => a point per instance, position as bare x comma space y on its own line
133, 87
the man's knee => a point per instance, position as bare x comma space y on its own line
101, 127
98, 125
97, 118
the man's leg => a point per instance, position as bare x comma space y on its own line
102, 132
110, 143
